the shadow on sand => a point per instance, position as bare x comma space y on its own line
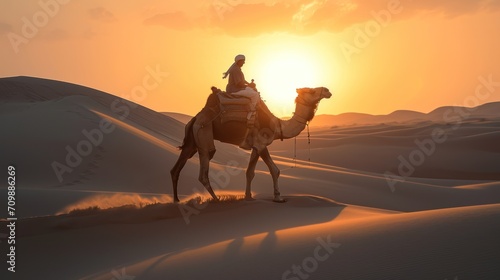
159, 231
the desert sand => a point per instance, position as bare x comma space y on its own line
355, 209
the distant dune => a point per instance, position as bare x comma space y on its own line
441, 115
95, 198
183, 118
469, 151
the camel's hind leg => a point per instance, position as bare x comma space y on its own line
204, 139
187, 152
205, 158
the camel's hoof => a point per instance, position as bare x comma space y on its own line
280, 200
249, 198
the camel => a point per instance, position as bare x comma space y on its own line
206, 126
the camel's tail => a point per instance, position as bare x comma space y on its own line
188, 134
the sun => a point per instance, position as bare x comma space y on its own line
280, 73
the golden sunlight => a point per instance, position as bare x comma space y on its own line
280, 72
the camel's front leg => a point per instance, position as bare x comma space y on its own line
275, 173
254, 157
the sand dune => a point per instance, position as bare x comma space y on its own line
379, 148
395, 248
262, 240
439, 222
442, 114
183, 118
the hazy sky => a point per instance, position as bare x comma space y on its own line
376, 56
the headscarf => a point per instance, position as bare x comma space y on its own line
236, 59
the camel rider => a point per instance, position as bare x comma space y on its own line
237, 85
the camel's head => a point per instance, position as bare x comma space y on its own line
310, 97
313, 95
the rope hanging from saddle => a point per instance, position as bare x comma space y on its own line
295, 152
295, 148
309, 142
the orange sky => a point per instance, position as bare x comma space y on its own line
419, 54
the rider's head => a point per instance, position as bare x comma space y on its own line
239, 60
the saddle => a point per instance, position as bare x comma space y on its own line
232, 107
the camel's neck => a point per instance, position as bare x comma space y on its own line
297, 123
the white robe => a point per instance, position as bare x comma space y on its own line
250, 93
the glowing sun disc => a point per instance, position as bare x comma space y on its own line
281, 74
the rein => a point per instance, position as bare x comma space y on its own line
305, 122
